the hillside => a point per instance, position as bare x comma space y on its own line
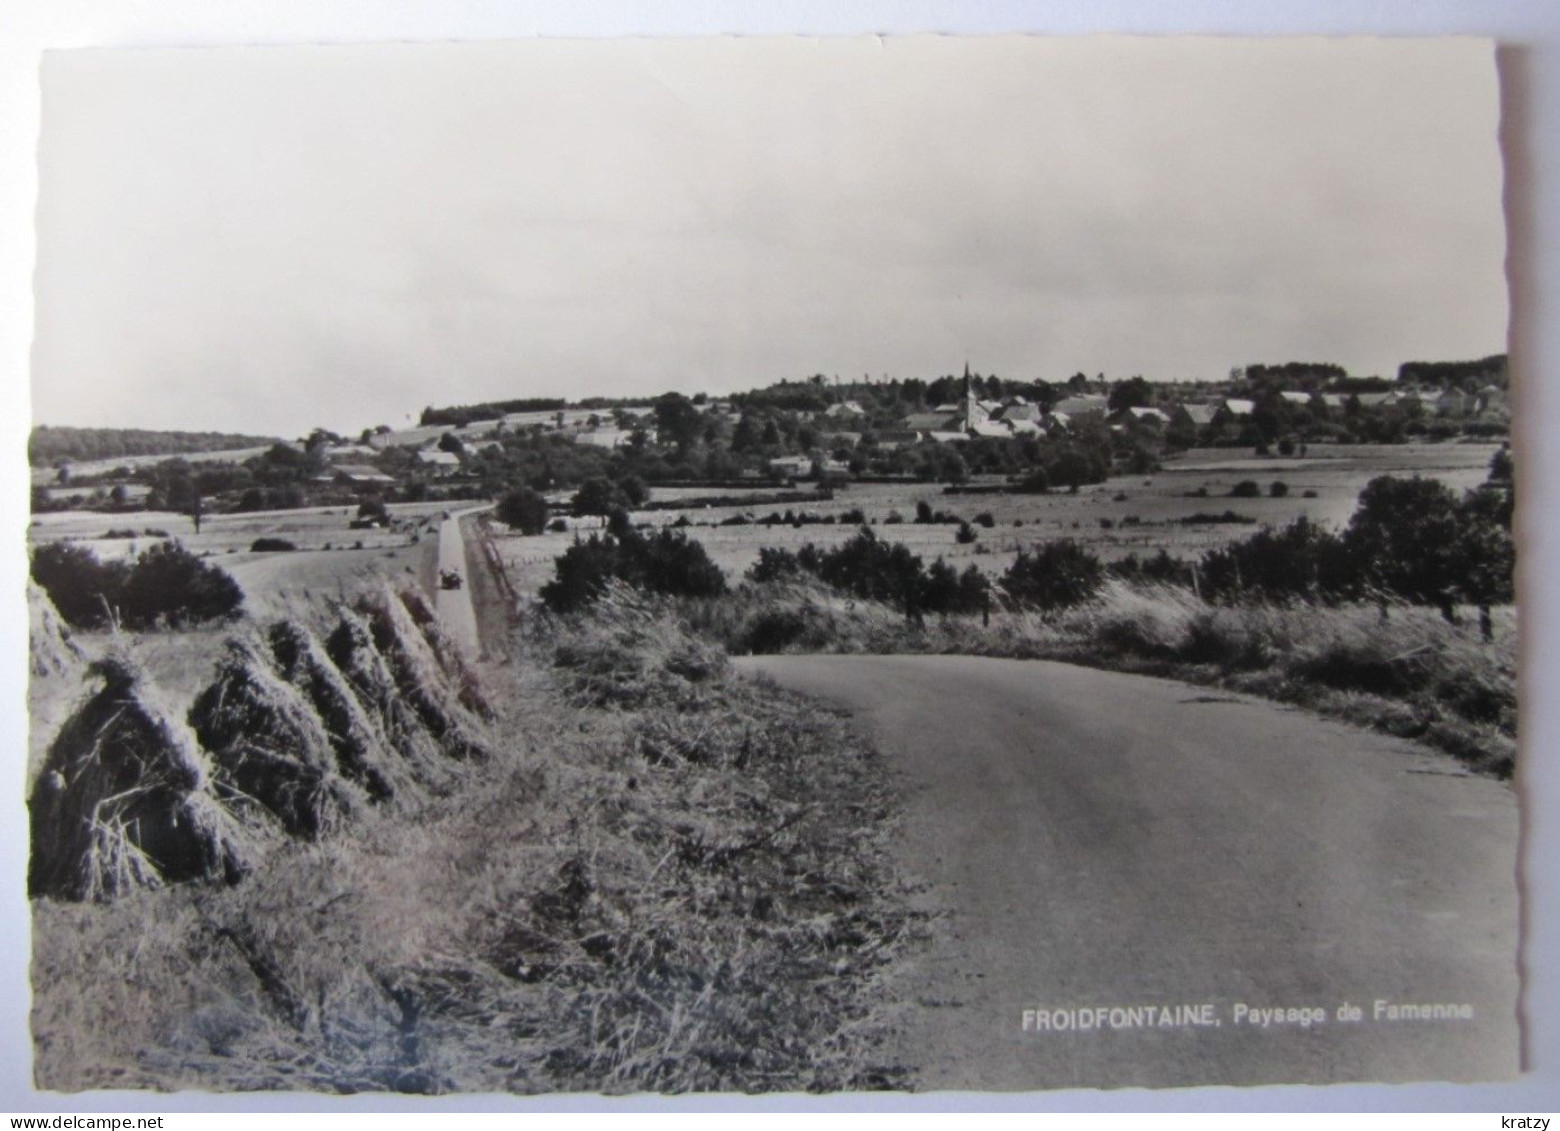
49, 445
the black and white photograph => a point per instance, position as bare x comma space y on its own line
848, 564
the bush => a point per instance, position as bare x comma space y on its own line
1056, 575
665, 562
169, 585
965, 534
1301, 560
523, 509
271, 545
1246, 489
558, 526
1037, 482
1278, 489
81, 587
984, 518
373, 508
943, 590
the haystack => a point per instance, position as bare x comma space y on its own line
423, 683
363, 751
125, 800
449, 658
351, 648
268, 745
52, 650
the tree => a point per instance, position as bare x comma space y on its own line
1408, 539
598, 496
523, 509
678, 420
1134, 392
634, 490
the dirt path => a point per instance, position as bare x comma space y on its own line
1104, 840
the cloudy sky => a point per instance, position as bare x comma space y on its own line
269, 239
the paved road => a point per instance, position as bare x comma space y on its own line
454, 605
1099, 839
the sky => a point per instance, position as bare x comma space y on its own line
271, 239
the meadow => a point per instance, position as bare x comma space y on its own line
1125, 515
331, 559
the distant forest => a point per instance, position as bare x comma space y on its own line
48, 446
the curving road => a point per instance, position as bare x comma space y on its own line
1091, 839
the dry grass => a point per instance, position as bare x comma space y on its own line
125, 800
270, 746
681, 885
1412, 675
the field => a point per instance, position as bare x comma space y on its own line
331, 560
1151, 505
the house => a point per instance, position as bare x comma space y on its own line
1022, 410
360, 475
991, 429
930, 421
1237, 407
350, 451
1081, 405
1302, 400
1197, 415
792, 467
442, 463
845, 408
604, 437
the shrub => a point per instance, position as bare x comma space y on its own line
117, 533
169, 585
984, 518
373, 508
82, 588
665, 562
854, 517
870, 568
774, 564
1278, 489
943, 590
1246, 489
272, 545
1037, 482
1302, 559
558, 526
1056, 575
965, 534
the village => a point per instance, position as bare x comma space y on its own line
946, 430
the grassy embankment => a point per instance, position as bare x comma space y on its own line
1412, 675
662, 878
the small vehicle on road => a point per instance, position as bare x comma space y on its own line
449, 579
